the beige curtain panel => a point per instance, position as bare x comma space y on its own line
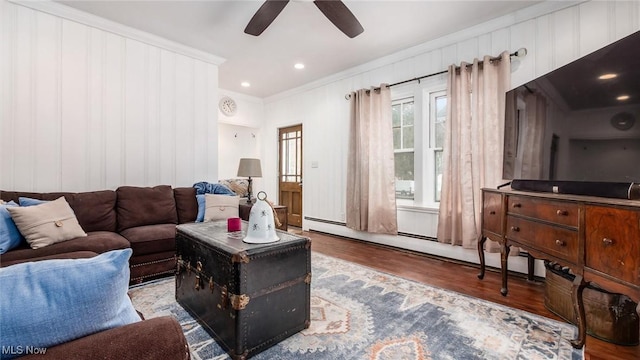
472, 154
371, 197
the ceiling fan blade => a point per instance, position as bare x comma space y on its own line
340, 15
265, 16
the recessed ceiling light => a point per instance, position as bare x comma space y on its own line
607, 76
245, 84
299, 66
623, 97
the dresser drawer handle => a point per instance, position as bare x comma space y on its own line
492, 212
560, 242
515, 228
607, 241
516, 205
562, 212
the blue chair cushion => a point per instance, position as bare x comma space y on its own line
10, 236
50, 302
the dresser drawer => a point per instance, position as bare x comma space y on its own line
557, 241
492, 212
612, 239
557, 212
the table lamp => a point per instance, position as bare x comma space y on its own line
249, 168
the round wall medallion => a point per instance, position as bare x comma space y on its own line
228, 106
623, 121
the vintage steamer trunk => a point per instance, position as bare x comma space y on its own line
247, 296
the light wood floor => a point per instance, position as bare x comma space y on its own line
524, 295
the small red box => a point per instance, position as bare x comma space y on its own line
234, 224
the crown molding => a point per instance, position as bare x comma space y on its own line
532, 12
69, 13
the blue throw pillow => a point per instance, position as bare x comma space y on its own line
49, 302
10, 236
201, 208
204, 187
25, 201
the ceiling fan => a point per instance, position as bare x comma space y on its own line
335, 10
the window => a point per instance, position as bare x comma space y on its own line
419, 119
438, 116
402, 116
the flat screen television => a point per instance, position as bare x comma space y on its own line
578, 123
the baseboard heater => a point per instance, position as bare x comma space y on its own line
616, 190
415, 236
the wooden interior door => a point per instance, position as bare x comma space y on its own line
290, 174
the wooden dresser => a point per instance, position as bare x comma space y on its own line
597, 238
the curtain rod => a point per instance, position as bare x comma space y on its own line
518, 53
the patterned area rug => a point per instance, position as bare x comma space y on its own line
360, 313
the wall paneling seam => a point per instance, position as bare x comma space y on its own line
33, 25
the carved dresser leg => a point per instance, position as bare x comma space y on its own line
578, 305
481, 242
504, 267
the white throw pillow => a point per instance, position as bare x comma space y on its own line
220, 207
48, 223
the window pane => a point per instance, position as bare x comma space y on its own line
283, 156
291, 160
395, 115
438, 174
404, 165
407, 137
439, 125
299, 155
405, 185
396, 139
407, 113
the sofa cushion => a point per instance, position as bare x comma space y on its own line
139, 206
159, 338
95, 241
95, 210
47, 223
186, 204
151, 239
50, 302
10, 236
15, 195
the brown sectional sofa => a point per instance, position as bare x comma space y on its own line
142, 218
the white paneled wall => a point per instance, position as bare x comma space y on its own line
84, 108
552, 37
